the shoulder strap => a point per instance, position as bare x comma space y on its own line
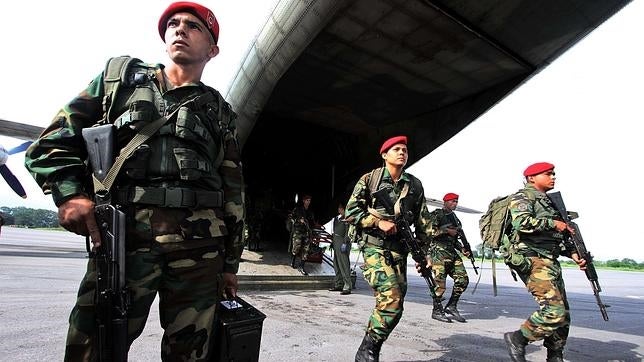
114, 75
374, 179
145, 133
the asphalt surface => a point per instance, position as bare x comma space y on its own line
40, 272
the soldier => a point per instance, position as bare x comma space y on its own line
385, 255
538, 241
341, 250
303, 222
445, 259
181, 190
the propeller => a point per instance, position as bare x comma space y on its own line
11, 179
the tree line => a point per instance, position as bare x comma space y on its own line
28, 217
42, 218
625, 263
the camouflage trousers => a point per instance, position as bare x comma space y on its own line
301, 244
446, 263
188, 282
552, 321
386, 272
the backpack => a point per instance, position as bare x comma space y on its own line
496, 224
373, 180
496, 233
115, 74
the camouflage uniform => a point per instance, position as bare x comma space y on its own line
537, 245
176, 248
385, 259
301, 237
445, 258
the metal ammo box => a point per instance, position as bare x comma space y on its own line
239, 331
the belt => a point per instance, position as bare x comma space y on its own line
532, 253
170, 197
394, 245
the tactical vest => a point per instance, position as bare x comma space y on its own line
178, 165
442, 220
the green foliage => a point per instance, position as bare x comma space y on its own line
624, 264
31, 218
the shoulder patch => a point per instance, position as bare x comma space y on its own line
522, 206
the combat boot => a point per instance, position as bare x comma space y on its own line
554, 355
450, 308
516, 343
300, 268
439, 314
369, 350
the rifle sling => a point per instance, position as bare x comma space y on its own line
397, 210
143, 135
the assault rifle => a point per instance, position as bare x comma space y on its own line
465, 245
467, 248
580, 247
112, 298
417, 253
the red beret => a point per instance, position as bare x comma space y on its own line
392, 141
537, 168
203, 13
450, 196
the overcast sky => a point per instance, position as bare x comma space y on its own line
580, 113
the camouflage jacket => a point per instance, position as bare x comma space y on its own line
300, 214
360, 201
440, 220
57, 160
533, 216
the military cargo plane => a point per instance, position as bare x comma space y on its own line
325, 82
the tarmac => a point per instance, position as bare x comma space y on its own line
40, 272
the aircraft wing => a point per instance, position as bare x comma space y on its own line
19, 130
325, 82
439, 203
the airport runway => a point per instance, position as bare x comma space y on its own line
40, 272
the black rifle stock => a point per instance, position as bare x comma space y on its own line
408, 238
580, 247
112, 298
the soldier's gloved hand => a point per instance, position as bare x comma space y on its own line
230, 285
77, 216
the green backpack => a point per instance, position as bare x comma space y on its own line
354, 233
496, 233
496, 224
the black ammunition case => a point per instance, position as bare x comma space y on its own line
238, 332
